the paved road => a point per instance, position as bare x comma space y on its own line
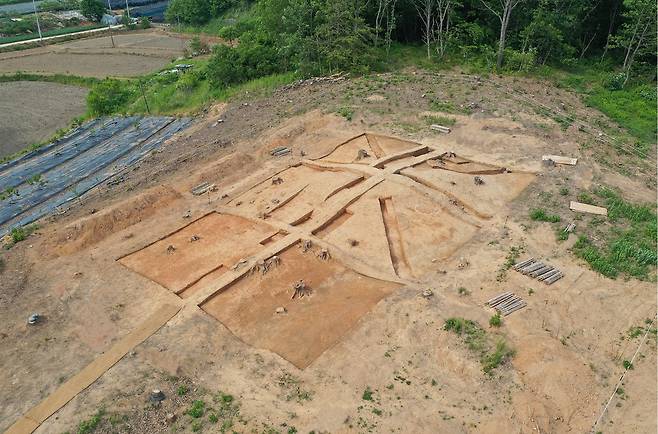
48, 38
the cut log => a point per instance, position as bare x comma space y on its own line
440, 128
558, 159
591, 209
541, 271
498, 297
531, 268
548, 274
524, 263
553, 279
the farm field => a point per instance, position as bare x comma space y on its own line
44, 108
133, 54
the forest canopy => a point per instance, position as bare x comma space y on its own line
323, 36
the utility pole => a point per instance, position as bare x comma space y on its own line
127, 9
37, 15
109, 8
109, 23
146, 103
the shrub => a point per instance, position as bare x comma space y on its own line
144, 23
107, 97
519, 61
615, 81
253, 58
496, 320
92, 9
193, 12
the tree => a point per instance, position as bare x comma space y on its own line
425, 9
503, 10
342, 39
442, 25
637, 35
193, 12
92, 9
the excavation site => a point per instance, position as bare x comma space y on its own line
271, 265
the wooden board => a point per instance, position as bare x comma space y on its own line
558, 159
591, 209
67, 391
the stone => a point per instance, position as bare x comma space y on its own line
157, 396
427, 293
280, 310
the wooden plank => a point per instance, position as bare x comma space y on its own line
100, 365
558, 159
591, 209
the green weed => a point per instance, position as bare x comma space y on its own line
197, 409
495, 320
90, 425
19, 234
500, 355
540, 215
346, 112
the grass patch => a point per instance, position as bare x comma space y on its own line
627, 245
367, 394
633, 108
440, 120
175, 94
54, 78
540, 215
491, 355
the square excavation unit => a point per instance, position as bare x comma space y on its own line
390, 209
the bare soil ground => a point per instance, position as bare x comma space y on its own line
132, 54
363, 350
44, 108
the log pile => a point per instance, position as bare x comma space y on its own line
506, 303
538, 270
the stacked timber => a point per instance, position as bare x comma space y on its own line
506, 303
538, 270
